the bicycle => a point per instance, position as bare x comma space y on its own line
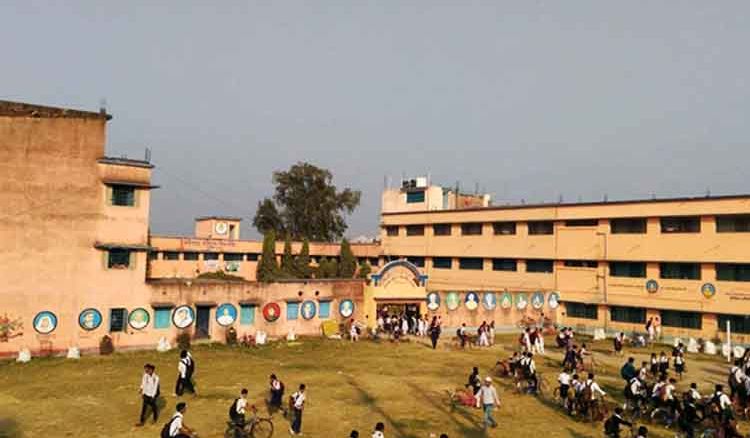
257, 427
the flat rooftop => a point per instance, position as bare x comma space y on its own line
20, 109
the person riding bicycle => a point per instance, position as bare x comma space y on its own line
613, 423
724, 403
237, 413
635, 393
530, 373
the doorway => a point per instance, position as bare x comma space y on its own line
202, 320
397, 309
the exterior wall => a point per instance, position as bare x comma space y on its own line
394, 200
55, 209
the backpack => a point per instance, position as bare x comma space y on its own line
165, 429
233, 410
610, 426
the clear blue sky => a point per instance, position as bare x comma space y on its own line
531, 100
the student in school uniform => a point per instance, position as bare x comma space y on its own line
474, 382
298, 405
663, 363
654, 363
149, 392
184, 383
679, 364
176, 426
564, 380
237, 413
276, 392
379, 431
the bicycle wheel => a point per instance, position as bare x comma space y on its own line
263, 428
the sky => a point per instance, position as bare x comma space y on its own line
527, 100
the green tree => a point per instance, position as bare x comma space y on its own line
302, 262
288, 269
306, 204
364, 270
268, 269
348, 262
333, 269
322, 269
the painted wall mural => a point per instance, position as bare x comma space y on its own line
139, 318
471, 301
183, 317
226, 314
90, 319
346, 308
45, 322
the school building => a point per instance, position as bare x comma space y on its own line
80, 263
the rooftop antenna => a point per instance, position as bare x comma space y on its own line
560, 199
103, 106
708, 192
606, 198
148, 155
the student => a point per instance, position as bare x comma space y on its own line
593, 386
643, 372
539, 341
298, 405
379, 431
650, 329
276, 393
434, 332
679, 364
663, 363
353, 331
176, 427
531, 376
475, 382
487, 398
461, 332
183, 381
634, 393
642, 432
618, 341
354, 434
564, 380
237, 412
627, 372
654, 362
491, 334
613, 423
150, 393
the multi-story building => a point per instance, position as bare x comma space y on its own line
610, 264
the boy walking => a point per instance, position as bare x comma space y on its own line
487, 398
149, 392
298, 405
184, 381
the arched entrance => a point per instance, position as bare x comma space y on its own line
398, 287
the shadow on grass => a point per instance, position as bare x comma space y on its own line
439, 404
9, 428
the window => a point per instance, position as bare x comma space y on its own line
674, 318
680, 225
543, 266
733, 224
324, 309
170, 255
738, 323
441, 229
732, 272
118, 258
582, 223
117, 320
253, 257
442, 262
232, 257
628, 226
680, 271
373, 261
162, 317
504, 228
392, 230
471, 229
472, 263
581, 264
416, 261
247, 314
541, 227
627, 269
414, 197
210, 256
582, 310
153, 255
190, 256
292, 311
504, 265
123, 196
415, 230
635, 315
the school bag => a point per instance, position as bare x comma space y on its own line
610, 426
165, 429
233, 410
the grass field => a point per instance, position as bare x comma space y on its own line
350, 386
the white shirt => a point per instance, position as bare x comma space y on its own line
487, 395
694, 394
564, 378
276, 385
595, 389
738, 374
669, 389
299, 399
532, 366
635, 386
176, 425
642, 374
657, 389
182, 368
724, 400
149, 385
378, 434
241, 404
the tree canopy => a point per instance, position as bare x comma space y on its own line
348, 262
268, 269
306, 204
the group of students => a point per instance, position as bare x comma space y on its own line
485, 334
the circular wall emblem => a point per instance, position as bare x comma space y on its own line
346, 308
226, 314
471, 301
221, 228
139, 318
452, 300
554, 300
521, 301
433, 301
537, 300
183, 317
489, 300
708, 290
90, 319
45, 322
506, 302
652, 286
308, 309
271, 312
